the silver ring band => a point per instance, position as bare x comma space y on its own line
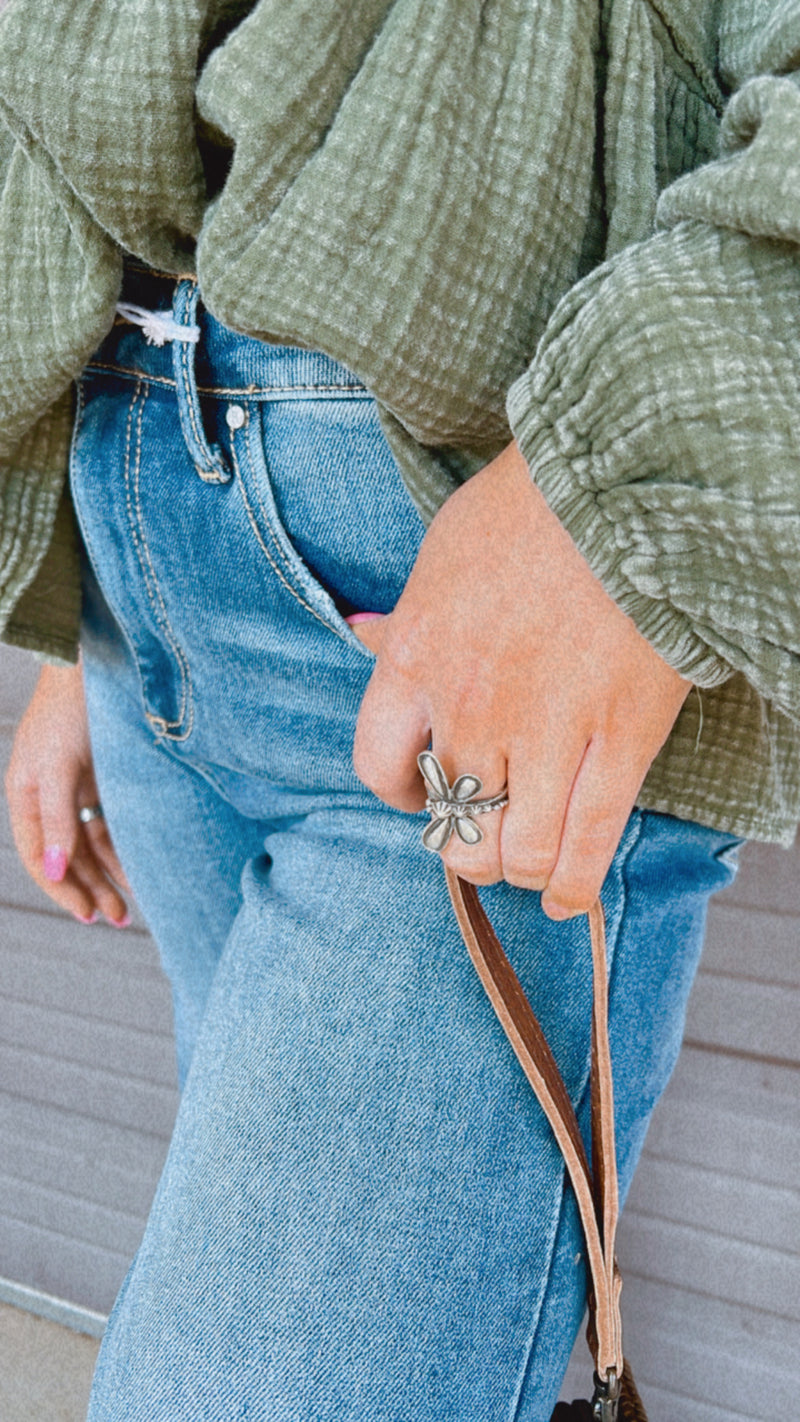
454, 808
87, 813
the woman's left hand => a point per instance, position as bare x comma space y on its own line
50, 778
507, 655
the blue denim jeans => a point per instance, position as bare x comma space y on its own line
363, 1216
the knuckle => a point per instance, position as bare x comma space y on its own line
528, 871
477, 868
597, 834
480, 877
528, 862
470, 702
603, 816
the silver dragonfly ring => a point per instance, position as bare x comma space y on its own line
454, 808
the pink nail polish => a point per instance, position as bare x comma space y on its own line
356, 617
55, 863
93, 917
121, 922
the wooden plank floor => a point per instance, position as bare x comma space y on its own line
710, 1243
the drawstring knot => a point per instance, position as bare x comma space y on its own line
158, 326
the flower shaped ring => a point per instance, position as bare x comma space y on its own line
456, 808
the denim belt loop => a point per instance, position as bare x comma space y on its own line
208, 459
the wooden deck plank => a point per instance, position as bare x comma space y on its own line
70, 1217
765, 1280
98, 1094
760, 1019
753, 944
737, 1209
74, 1270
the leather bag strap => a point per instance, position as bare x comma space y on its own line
595, 1188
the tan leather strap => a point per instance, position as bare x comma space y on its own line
597, 1197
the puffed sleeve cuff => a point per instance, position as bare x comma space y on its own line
659, 419
588, 524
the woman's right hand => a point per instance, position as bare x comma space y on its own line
50, 778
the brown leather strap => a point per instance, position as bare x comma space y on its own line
597, 1197
604, 1153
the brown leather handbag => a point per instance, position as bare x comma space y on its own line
615, 1397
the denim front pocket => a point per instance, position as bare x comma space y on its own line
326, 500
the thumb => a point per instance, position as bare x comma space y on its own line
59, 820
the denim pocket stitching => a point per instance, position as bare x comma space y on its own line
270, 559
283, 578
136, 523
291, 559
269, 521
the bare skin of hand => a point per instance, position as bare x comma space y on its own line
50, 777
506, 653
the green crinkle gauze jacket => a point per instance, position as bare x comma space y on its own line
577, 220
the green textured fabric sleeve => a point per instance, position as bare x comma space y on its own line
661, 414
39, 570
46, 618
59, 282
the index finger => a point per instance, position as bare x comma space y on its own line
26, 825
392, 728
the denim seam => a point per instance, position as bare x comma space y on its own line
159, 723
265, 392
623, 911
210, 474
278, 573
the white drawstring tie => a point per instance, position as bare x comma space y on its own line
158, 326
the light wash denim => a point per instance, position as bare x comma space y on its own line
363, 1215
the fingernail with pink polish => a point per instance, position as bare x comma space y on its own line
121, 922
92, 918
356, 618
55, 863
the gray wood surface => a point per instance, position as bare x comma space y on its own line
710, 1242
